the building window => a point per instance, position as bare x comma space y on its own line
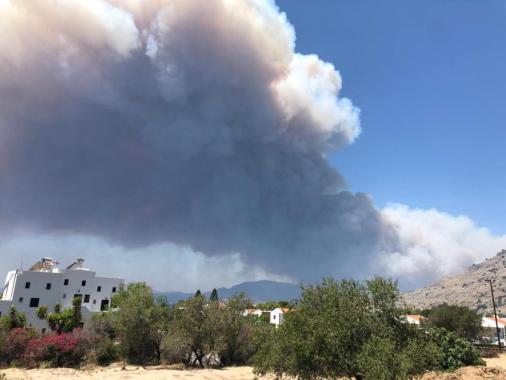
48, 286
114, 289
43, 331
86, 298
66, 282
83, 283
34, 302
94, 303
64, 296
20, 300
104, 304
27, 285
99, 288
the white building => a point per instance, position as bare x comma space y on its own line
45, 284
413, 319
277, 315
488, 324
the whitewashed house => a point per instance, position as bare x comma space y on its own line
413, 319
277, 315
489, 326
47, 284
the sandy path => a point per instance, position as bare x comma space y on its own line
131, 372
115, 372
497, 362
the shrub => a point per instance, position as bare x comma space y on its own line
63, 350
14, 319
458, 319
42, 312
16, 344
455, 351
381, 360
101, 333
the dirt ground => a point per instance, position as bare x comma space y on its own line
496, 369
115, 372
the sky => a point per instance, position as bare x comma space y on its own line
429, 79
198, 144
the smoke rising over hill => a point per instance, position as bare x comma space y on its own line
192, 123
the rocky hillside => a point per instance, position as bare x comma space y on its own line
468, 289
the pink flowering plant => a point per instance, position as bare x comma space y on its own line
63, 350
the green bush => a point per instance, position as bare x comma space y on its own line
455, 351
349, 328
460, 320
380, 359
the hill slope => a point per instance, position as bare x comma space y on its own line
468, 289
257, 291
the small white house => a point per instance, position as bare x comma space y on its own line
413, 319
47, 284
488, 324
277, 315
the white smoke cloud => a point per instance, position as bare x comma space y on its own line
164, 266
434, 244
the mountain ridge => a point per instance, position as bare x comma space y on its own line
470, 288
258, 291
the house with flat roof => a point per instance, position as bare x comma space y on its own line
46, 284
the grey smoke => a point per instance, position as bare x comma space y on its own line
185, 122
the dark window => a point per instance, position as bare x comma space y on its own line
99, 288
114, 289
48, 286
66, 281
104, 304
64, 296
20, 300
34, 302
27, 285
83, 283
43, 331
94, 302
86, 298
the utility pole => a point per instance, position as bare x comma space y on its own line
495, 315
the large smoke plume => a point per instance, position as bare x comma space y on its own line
185, 122
191, 122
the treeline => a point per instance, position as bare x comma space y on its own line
344, 328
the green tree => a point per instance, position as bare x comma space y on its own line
235, 331
141, 323
214, 296
191, 329
63, 321
461, 320
76, 311
14, 319
351, 328
42, 312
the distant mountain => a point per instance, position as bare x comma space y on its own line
468, 289
257, 291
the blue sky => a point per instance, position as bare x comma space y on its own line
430, 80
